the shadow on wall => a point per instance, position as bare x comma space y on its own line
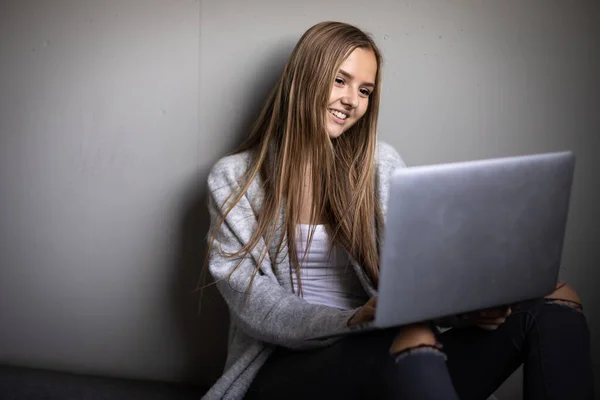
205, 335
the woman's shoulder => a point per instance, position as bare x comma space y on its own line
229, 170
387, 157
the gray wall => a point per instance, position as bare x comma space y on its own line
111, 114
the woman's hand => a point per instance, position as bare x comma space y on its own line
364, 314
489, 319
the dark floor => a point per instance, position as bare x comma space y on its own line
30, 384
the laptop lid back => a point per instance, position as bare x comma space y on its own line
471, 235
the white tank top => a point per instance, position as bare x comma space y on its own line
327, 279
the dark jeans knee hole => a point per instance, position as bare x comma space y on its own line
565, 303
418, 350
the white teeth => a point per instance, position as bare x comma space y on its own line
338, 114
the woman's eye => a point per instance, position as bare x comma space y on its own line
339, 81
365, 92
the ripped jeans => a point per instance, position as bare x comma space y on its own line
550, 339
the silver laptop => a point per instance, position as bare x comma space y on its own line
470, 235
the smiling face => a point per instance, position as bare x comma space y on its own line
349, 97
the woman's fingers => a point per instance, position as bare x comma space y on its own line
488, 327
488, 324
369, 312
370, 308
494, 321
495, 312
488, 319
372, 301
365, 313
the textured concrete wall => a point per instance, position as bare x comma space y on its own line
111, 114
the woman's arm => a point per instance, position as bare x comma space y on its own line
265, 311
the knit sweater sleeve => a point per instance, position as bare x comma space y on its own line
264, 310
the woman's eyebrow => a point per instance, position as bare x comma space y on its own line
351, 77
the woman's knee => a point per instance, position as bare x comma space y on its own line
564, 294
413, 336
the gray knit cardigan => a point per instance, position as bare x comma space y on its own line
270, 314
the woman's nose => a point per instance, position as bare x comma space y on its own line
350, 99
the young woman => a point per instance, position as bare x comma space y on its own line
297, 214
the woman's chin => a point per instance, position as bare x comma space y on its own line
334, 131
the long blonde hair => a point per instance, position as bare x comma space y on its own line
290, 134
